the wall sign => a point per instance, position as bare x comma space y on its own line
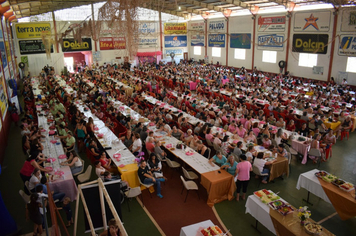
217, 26
348, 21
273, 23
312, 22
175, 28
148, 42
197, 26
147, 28
216, 40
177, 52
31, 30
310, 43
110, 43
240, 41
270, 41
32, 47
175, 41
3, 54
71, 45
347, 45
197, 40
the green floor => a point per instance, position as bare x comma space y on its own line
341, 164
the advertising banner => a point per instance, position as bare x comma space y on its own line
3, 97
217, 26
148, 27
175, 41
31, 30
177, 52
71, 45
271, 23
347, 45
270, 41
110, 43
197, 40
240, 41
148, 42
312, 22
216, 40
348, 20
310, 43
197, 26
32, 47
175, 28
3, 54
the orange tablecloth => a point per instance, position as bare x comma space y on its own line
343, 202
290, 224
332, 125
279, 168
353, 118
129, 173
220, 186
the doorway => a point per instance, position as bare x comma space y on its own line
76, 61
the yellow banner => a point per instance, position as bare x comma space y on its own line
175, 28
31, 30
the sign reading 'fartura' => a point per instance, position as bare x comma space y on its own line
71, 45
310, 43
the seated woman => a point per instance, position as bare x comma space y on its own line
232, 127
202, 149
226, 146
93, 147
266, 142
280, 137
255, 129
187, 137
241, 131
34, 180
218, 159
177, 133
237, 150
291, 126
260, 163
127, 139
281, 123
251, 153
315, 143
109, 123
230, 166
250, 137
209, 135
155, 166
193, 143
73, 162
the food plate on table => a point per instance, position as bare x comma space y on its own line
321, 174
329, 178
212, 231
346, 186
313, 228
285, 209
266, 196
276, 204
172, 149
338, 182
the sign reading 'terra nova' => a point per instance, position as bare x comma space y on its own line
71, 45
310, 43
32, 30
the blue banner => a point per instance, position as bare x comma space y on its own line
175, 41
216, 40
3, 55
240, 41
197, 40
177, 52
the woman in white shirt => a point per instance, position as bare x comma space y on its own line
137, 145
260, 163
73, 162
35, 179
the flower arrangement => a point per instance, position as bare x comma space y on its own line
303, 214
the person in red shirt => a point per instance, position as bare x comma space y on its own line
150, 145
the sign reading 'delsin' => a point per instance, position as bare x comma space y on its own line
32, 47
32, 30
310, 43
71, 45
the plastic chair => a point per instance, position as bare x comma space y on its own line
133, 192
189, 174
86, 176
27, 186
316, 153
172, 164
24, 196
189, 185
146, 186
258, 173
345, 133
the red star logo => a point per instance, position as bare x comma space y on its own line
311, 21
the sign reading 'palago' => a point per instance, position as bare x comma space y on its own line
71, 45
312, 22
310, 43
217, 26
31, 30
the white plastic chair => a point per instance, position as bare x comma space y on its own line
172, 164
133, 192
316, 153
258, 173
24, 196
27, 186
189, 174
86, 176
189, 185
146, 186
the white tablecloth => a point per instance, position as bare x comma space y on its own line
192, 230
260, 212
310, 182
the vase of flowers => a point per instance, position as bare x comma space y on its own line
303, 214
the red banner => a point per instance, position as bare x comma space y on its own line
110, 43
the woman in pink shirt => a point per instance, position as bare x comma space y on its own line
243, 170
232, 127
241, 131
209, 135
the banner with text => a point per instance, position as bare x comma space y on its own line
216, 40
3, 54
240, 41
71, 45
217, 26
270, 41
32, 47
312, 22
148, 42
110, 43
347, 45
175, 28
175, 41
31, 30
177, 52
148, 28
348, 20
197, 26
197, 40
310, 43
271, 23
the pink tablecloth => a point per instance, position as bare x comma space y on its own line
301, 148
192, 85
67, 185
